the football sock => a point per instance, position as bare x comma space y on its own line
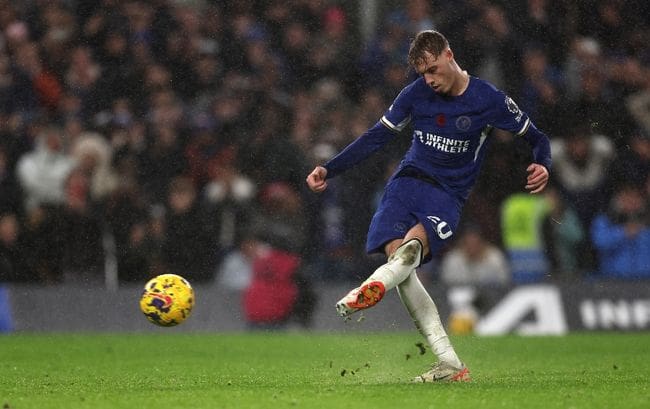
399, 265
425, 315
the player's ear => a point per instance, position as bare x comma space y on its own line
449, 54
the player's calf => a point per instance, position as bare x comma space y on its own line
399, 266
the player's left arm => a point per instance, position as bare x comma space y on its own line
538, 171
513, 119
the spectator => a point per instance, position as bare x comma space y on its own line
268, 301
119, 78
80, 228
544, 19
126, 217
491, 59
542, 84
419, 16
564, 237
135, 261
296, 39
522, 216
622, 236
474, 262
165, 109
280, 218
229, 195
46, 86
45, 242
82, 75
332, 249
205, 147
43, 171
189, 247
580, 163
235, 271
14, 266
94, 157
583, 53
598, 105
83, 71
271, 156
10, 192
387, 47
162, 161
631, 164
639, 106
207, 72
278, 290
334, 58
607, 21
507, 153
502, 50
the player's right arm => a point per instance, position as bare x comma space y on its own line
373, 139
316, 179
393, 121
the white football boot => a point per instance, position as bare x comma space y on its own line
361, 298
444, 372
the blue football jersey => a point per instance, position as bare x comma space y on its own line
451, 133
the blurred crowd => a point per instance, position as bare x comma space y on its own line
144, 137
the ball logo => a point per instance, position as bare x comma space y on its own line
161, 302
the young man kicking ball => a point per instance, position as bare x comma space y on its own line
452, 114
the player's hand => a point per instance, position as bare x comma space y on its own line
316, 179
537, 178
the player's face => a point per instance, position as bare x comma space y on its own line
437, 71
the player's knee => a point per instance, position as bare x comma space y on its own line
410, 253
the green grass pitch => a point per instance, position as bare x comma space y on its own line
317, 370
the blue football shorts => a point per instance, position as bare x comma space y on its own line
408, 201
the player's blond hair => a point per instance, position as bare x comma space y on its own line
428, 40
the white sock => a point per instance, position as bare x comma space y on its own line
405, 259
425, 315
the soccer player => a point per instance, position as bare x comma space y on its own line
452, 114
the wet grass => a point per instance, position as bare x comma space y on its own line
289, 370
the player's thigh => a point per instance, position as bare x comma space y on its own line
407, 203
392, 219
416, 232
439, 217
435, 211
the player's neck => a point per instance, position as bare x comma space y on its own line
461, 83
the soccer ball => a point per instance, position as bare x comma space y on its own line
167, 300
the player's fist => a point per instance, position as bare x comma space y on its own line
316, 179
537, 178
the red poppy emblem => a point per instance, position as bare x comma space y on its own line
441, 120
